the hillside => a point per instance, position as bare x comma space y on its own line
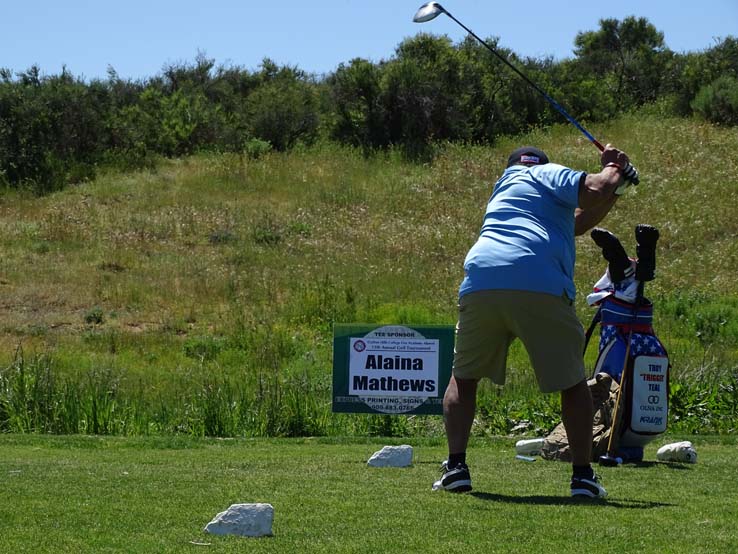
221, 265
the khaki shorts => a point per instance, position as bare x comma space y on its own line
547, 325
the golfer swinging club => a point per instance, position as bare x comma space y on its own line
518, 282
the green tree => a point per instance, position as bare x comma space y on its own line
52, 129
494, 100
283, 109
420, 94
588, 97
696, 70
718, 101
355, 91
630, 57
158, 123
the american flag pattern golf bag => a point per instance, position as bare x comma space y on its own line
645, 407
629, 350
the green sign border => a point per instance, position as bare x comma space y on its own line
342, 334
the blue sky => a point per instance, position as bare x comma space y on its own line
137, 38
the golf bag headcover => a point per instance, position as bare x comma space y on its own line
629, 344
613, 252
646, 237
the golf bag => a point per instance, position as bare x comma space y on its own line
629, 350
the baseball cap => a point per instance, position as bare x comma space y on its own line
527, 155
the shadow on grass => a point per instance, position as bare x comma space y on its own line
568, 501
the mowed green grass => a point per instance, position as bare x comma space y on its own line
92, 494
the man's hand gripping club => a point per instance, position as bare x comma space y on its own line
615, 158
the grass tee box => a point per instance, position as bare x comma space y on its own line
141, 495
391, 369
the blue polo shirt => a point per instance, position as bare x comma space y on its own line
527, 237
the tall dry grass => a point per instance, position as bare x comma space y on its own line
199, 297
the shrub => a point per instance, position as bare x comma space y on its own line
202, 348
718, 101
355, 91
255, 148
283, 111
94, 316
52, 129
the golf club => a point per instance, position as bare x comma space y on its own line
431, 10
610, 459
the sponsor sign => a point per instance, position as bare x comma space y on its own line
392, 369
650, 395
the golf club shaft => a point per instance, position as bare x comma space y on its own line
550, 100
636, 304
613, 427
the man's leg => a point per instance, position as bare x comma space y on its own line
459, 406
577, 413
553, 336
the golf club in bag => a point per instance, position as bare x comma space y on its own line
629, 350
431, 10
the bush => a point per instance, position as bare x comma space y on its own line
254, 148
692, 71
204, 349
718, 101
355, 92
94, 316
283, 110
56, 130
51, 129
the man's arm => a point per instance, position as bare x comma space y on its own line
597, 190
584, 220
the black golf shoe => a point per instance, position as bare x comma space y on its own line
587, 488
454, 479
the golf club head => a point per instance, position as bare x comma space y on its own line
610, 461
428, 11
